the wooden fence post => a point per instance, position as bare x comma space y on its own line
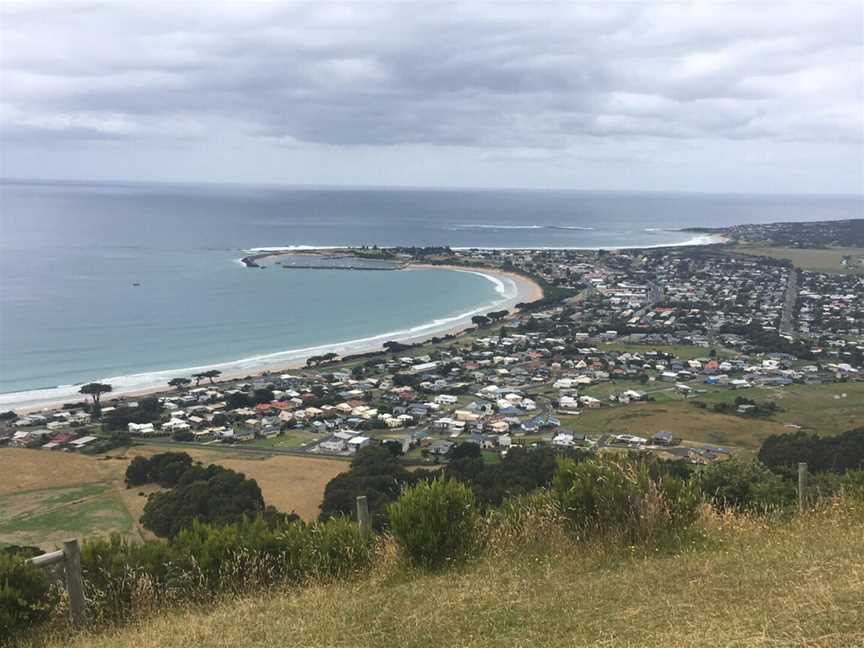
74, 582
802, 486
363, 514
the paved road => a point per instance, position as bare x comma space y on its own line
787, 319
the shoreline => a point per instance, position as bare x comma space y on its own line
523, 290
697, 241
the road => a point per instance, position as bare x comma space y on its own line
787, 319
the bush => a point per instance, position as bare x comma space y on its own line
852, 483
214, 495
165, 469
621, 497
838, 453
436, 523
122, 578
744, 484
25, 595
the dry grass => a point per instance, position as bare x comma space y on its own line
757, 584
288, 483
26, 470
680, 418
812, 407
28, 476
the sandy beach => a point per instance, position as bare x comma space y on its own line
513, 288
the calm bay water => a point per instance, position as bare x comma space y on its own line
70, 253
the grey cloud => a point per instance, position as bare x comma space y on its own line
489, 76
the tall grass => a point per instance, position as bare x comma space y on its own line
125, 579
620, 497
763, 582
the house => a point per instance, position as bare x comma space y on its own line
358, 442
332, 445
441, 448
662, 439
629, 439
446, 399
77, 444
563, 440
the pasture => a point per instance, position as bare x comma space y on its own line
48, 496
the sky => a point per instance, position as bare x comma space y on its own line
709, 97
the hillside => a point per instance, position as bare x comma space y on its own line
747, 583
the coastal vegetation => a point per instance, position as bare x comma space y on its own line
95, 390
600, 516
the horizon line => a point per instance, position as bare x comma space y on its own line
407, 187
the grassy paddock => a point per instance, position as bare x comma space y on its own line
751, 583
812, 407
46, 517
33, 477
817, 259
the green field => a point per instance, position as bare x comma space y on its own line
681, 351
289, 440
46, 517
819, 260
812, 407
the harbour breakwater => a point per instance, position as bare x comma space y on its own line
322, 260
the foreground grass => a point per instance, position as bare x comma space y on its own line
750, 584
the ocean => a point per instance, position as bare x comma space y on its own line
70, 254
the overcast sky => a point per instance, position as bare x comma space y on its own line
645, 96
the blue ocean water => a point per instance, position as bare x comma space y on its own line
71, 252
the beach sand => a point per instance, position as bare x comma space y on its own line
526, 291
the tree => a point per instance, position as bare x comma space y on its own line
166, 469
198, 377
498, 315
211, 374
263, 396
375, 473
95, 391
179, 383
480, 321
213, 495
743, 483
838, 453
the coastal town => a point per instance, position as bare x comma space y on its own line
614, 331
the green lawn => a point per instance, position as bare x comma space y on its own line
680, 351
45, 517
288, 440
490, 456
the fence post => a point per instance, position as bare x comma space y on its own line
74, 583
363, 514
802, 486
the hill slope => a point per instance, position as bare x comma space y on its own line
752, 584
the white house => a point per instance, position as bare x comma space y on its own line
357, 442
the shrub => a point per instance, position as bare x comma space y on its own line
214, 495
122, 577
339, 548
744, 484
527, 523
852, 483
620, 497
25, 595
435, 523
